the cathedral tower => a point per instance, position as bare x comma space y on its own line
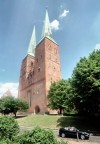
39, 68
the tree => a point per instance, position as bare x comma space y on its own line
4, 105
59, 95
12, 105
86, 84
8, 127
20, 105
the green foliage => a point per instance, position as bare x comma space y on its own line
59, 95
62, 142
4, 108
9, 130
8, 127
12, 105
86, 84
37, 136
3, 141
7, 141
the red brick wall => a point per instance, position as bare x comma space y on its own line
37, 74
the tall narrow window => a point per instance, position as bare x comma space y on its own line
38, 69
41, 56
29, 98
55, 51
31, 64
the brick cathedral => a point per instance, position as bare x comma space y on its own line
39, 69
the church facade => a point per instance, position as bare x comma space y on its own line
39, 69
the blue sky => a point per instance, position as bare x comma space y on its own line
75, 27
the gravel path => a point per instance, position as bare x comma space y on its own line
92, 139
81, 142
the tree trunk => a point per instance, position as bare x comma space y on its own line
60, 111
15, 114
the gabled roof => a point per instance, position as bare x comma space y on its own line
7, 93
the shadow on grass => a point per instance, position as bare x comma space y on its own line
20, 116
82, 123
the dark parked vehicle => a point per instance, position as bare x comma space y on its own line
73, 133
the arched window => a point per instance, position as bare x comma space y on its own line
38, 69
55, 51
31, 64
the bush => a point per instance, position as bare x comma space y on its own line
9, 130
6, 141
37, 136
8, 127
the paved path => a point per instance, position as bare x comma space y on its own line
92, 140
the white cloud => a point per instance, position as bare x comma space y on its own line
64, 14
13, 87
97, 47
55, 25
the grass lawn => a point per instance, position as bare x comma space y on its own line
56, 121
43, 121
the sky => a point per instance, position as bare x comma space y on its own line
75, 27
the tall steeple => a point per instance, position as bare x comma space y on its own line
46, 27
32, 44
46, 32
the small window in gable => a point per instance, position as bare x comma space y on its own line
49, 47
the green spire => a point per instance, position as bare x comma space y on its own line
46, 32
46, 28
32, 44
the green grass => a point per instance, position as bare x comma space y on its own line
44, 121
56, 121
